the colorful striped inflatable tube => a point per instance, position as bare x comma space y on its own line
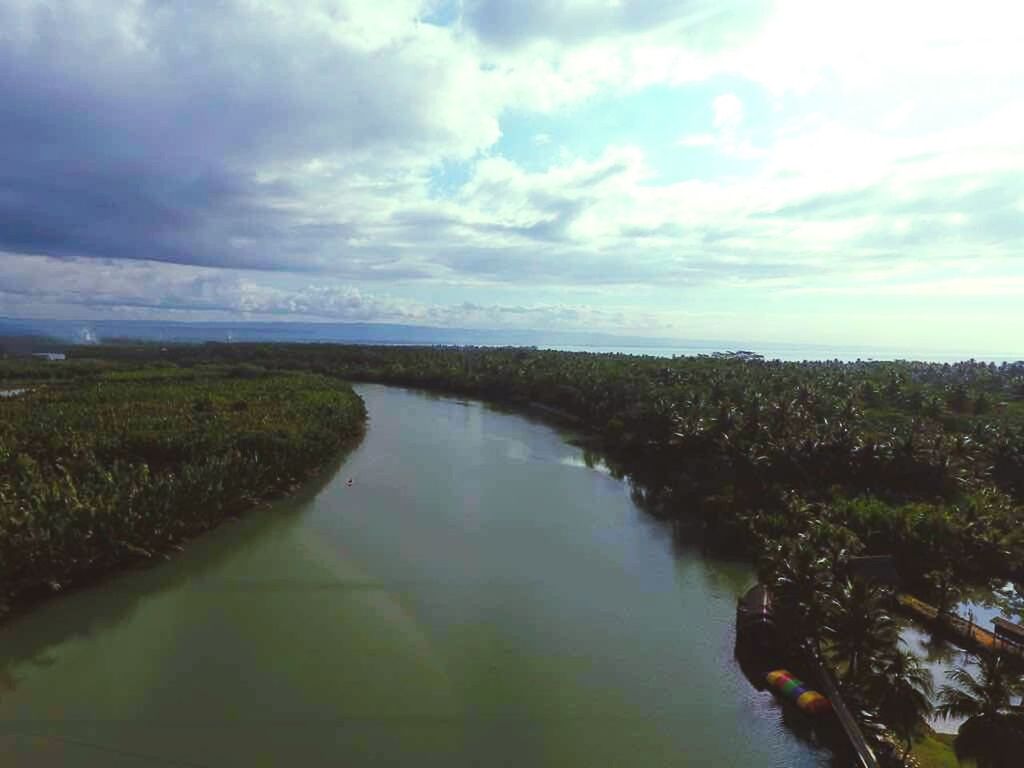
789, 687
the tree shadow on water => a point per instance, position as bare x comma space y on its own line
29, 637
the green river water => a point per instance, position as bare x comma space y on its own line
478, 596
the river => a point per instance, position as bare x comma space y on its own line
478, 595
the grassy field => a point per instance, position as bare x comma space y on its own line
935, 750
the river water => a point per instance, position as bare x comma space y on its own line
478, 595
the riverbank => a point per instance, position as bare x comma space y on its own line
908, 454
963, 632
478, 594
117, 468
787, 465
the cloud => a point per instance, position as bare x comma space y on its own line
266, 135
698, 140
83, 289
728, 111
351, 159
228, 134
510, 25
729, 137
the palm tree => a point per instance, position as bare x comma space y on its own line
993, 733
836, 543
903, 689
944, 585
800, 578
860, 627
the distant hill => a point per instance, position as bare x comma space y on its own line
79, 332
65, 332
17, 345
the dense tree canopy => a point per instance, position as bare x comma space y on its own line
923, 461
121, 464
799, 466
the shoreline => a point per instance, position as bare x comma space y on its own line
95, 491
28, 600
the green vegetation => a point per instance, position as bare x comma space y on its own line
885, 687
903, 689
993, 734
103, 464
797, 466
922, 461
860, 629
935, 750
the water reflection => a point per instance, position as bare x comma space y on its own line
1000, 599
26, 641
938, 656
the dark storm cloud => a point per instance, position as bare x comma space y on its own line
131, 211
144, 131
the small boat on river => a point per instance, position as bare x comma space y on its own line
756, 625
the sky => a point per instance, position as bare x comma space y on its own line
791, 171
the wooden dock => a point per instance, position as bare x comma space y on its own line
966, 632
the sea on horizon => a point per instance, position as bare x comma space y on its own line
799, 352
